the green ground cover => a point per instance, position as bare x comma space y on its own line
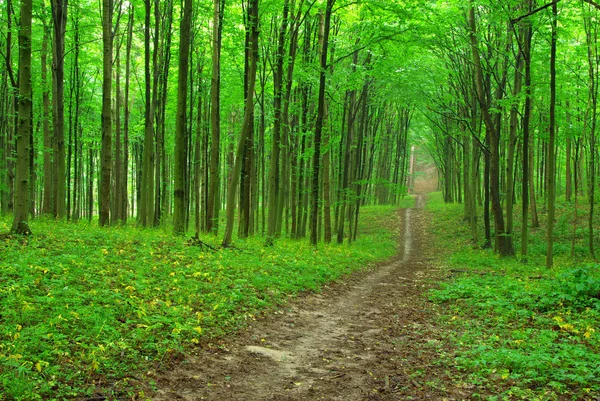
521, 331
82, 306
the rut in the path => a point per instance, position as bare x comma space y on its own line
350, 343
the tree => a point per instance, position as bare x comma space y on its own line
146, 203
252, 54
20, 223
213, 206
504, 241
59, 18
552, 129
319, 124
180, 130
106, 152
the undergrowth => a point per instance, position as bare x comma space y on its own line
84, 309
521, 331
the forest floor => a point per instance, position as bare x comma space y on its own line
370, 336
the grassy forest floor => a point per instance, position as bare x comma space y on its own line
86, 310
520, 331
125, 313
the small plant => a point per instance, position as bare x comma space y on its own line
82, 305
522, 331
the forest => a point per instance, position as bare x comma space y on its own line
171, 171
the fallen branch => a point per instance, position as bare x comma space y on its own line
196, 241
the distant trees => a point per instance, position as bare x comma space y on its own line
521, 129
291, 132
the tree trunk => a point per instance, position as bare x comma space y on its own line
319, 126
48, 201
21, 207
551, 160
247, 122
275, 165
213, 205
59, 17
146, 202
504, 242
180, 128
117, 212
593, 65
126, 113
106, 153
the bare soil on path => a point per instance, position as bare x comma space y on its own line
371, 336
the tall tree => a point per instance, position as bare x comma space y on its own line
252, 53
213, 204
314, 214
274, 213
179, 211
126, 112
146, 203
106, 152
59, 18
504, 242
48, 200
525, 49
21, 208
552, 128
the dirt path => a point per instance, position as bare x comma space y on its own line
370, 337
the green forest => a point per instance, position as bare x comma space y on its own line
176, 176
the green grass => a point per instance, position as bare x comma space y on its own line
521, 331
84, 308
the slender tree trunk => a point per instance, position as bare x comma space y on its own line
75, 213
213, 205
59, 17
526, 50
198, 154
246, 190
593, 65
21, 207
117, 212
247, 122
90, 186
180, 131
12, 117
275, 165
106, 153
505, 246
48, 201
552, 128
126, 115
512, 142
327, 232
319, 126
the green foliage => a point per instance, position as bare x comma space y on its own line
81, 305
521, 331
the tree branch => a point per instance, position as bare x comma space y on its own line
537, 10
592, 3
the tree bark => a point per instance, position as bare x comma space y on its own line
59, 17
146, 202
180, 128
48, 201
551, 159
504, 242
247, 122
319, 126
275, 164
106, 152
20, 223
213, 204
